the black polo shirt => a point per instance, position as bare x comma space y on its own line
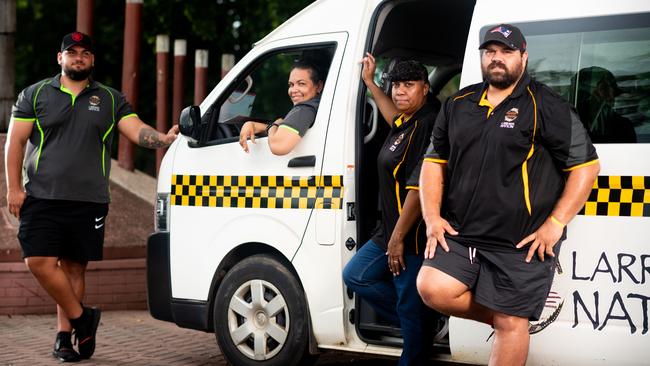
68, 155
506, 167
399, 160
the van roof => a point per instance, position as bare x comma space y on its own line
324, 16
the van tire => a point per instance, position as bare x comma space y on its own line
278, 319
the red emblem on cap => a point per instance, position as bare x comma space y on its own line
76, 36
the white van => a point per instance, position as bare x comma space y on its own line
252, 246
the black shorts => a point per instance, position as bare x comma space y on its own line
501, 281
65, 229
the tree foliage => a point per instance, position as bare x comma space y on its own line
220, 26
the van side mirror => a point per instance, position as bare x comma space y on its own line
189, 123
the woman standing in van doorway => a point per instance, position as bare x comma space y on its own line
305, 87
384, 270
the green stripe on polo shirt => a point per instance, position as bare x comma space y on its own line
290, 129
104, 148
112, 101
109, 129
129, 115
18, 119
38, 125
69, 92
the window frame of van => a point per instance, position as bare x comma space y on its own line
581, 25
248, 70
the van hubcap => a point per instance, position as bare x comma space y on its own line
258, 319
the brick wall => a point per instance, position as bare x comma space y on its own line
110, 285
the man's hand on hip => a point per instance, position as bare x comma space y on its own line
543, 240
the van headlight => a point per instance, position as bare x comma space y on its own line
162, 212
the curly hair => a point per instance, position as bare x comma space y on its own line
408, 70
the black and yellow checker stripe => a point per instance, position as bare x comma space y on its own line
307, 192
614, 195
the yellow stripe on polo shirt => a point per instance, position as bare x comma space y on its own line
484, 102
434, 160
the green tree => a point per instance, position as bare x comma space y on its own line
220, 26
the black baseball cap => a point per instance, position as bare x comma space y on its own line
506, 34
77, 38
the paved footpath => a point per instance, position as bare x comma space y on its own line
131, 338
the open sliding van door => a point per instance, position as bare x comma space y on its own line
433, 33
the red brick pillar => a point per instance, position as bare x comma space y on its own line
180, 54
162, 90
200, 76
130, 75
85, 16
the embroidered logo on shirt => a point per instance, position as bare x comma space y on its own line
94, 103
508, 120
397, 141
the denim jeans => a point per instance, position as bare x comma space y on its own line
394, 298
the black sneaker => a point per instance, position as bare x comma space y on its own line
63, 350
85, 331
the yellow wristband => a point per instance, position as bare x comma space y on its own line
558, 222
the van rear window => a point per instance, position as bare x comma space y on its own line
602, 66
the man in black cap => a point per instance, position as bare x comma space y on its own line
61, 133
515, 165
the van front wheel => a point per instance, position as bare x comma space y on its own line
260, 316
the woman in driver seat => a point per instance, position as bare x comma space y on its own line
305, 85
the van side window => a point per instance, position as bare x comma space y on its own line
604, 73
260, 92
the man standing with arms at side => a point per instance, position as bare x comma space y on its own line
67, 124
510, 164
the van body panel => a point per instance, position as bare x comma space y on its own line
203, 235
164, 181
192, 274
341, 15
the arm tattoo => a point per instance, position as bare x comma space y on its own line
150, 138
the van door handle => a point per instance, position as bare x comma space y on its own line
301, 161
374, 119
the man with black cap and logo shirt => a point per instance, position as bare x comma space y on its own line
509, 165
60, 133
